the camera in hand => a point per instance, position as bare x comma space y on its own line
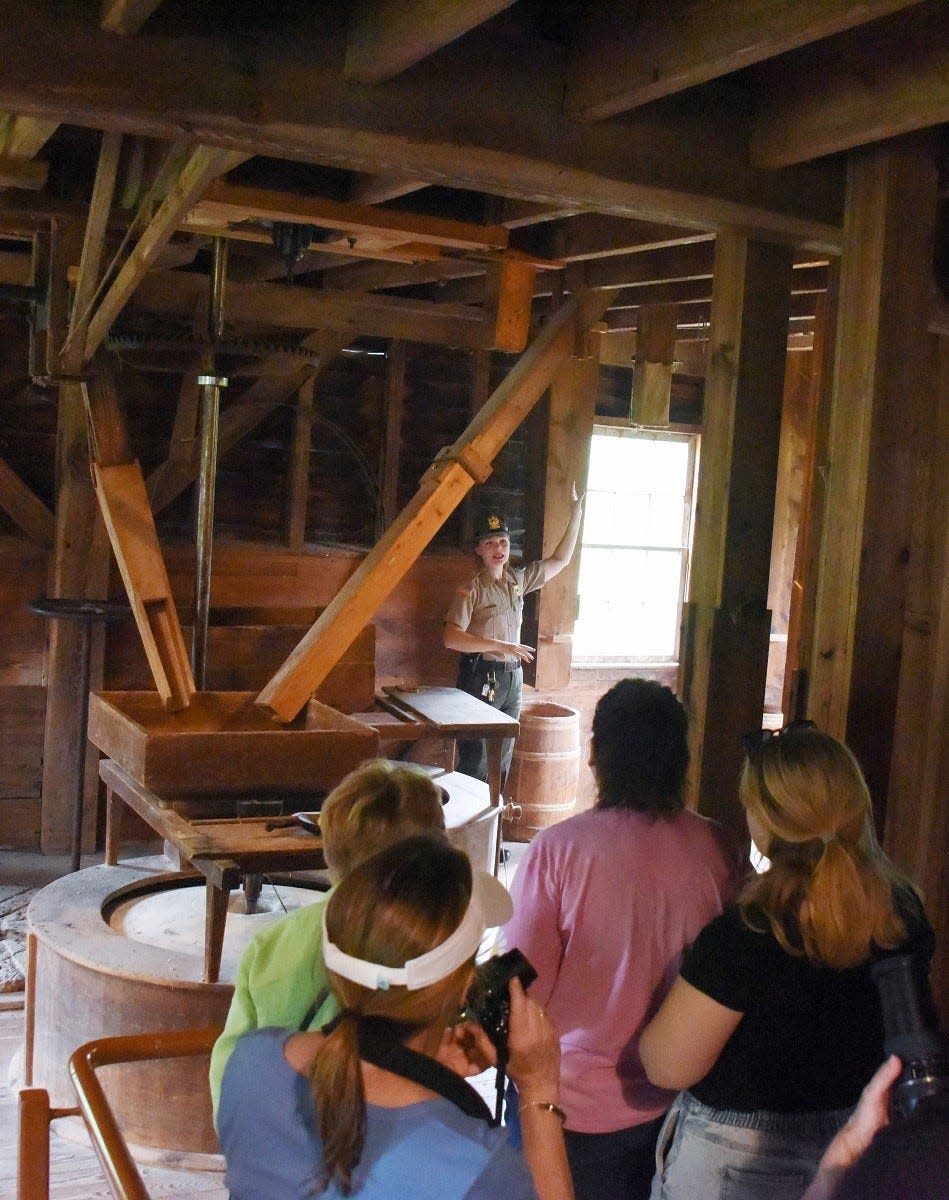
488, 1001
911, 1031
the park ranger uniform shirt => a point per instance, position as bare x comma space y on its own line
492, 608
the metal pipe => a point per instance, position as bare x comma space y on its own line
210, 383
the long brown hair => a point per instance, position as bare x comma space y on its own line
397, 905
829, 892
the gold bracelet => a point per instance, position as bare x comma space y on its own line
547, 1106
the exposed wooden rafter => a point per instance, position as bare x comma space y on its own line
386, 37
633, 56
23, 173
203, 166
521, 146
126, 16
865, 95
179, 293
234, 203
25, 507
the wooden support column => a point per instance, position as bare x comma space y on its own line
75, 572
80, 564
882, 420
572, 409
917, 812
442, 488
298, 475
392, 441
727, 621
813, 495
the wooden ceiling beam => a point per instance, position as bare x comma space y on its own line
865, 95
203, 166
275, 305
126, 16
23, 173
28, 135
386, 185
294, 104
236, 203
373, 276
598, 235
629, 58
386, 37
23, 505
90, 262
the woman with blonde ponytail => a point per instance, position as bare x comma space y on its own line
374, 1104
773, 1025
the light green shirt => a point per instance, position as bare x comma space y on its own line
281, 974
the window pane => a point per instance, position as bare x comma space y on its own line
632, 555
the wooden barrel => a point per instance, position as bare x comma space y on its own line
541, 786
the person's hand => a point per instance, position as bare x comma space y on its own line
524, 653
575, 496
870, 1115
533, 1049
466, 1049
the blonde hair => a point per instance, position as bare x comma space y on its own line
829, 891
379, 803
393, 907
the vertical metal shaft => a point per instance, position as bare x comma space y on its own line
210, 383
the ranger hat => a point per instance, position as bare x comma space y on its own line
492, 524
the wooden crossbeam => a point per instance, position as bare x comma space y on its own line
301, 107
386, 37
242, 203
126, 16
386, 185
100, 205
203, 165
441, 490
279, 305
865, 95
630, 59
23, 173
25, 507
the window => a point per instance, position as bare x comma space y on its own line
635, 552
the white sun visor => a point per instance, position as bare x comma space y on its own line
490, 905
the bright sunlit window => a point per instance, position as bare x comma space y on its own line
635, 551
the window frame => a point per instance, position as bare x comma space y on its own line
691, 435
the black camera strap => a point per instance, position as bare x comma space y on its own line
379, 1045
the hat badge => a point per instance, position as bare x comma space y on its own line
494, 522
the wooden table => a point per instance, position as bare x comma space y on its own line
414, 713
223, 851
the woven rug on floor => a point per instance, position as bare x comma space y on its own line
14, 901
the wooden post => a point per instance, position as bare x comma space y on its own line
442, 488
572, 409
917, 811
725, 648
392, 438
882, 419
298, 474
811, 518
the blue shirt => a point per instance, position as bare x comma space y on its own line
269, 1133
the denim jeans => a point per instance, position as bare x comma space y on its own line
713, 1154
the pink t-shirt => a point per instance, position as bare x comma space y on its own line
604, 905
